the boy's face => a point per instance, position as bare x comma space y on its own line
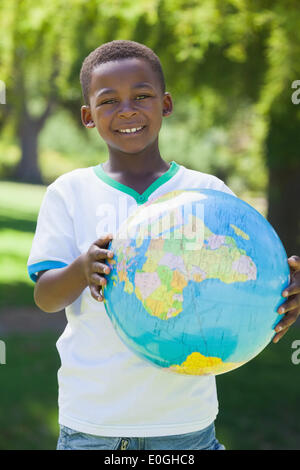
126, 94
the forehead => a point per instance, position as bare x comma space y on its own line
122, 73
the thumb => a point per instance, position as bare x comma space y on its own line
104, 240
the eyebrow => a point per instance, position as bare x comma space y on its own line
106, 91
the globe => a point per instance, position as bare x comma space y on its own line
196, 281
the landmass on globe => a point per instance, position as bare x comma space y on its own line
169, 265
198, 364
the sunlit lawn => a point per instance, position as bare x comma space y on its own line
259, 403
19, 205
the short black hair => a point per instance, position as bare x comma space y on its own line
117, 50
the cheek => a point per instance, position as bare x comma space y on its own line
157, 123
103, 131
103, 121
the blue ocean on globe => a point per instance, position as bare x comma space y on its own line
195, 282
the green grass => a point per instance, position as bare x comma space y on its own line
19, 206
259, 402
29, 412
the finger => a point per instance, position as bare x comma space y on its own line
294, 262
104, 240
279, 335
100, 268
287, 321
293, 288
96, 293
97, 279
103, 254
293, 303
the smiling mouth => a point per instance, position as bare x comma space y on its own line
131, 132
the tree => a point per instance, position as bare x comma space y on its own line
40, 57
36, 54
224, 54
246, 51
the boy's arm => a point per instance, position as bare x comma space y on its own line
57, 288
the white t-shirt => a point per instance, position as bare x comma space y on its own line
104, 388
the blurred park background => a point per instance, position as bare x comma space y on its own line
231, 67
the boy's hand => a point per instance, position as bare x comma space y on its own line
291, 308
94, 266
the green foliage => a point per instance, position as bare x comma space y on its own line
221, 52
63, 136
226, 151
234, 59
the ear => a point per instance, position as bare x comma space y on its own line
86, 117
167, 104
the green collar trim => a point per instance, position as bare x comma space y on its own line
140, 198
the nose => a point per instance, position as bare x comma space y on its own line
127, 114
126, 111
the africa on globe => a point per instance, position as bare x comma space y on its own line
196, 281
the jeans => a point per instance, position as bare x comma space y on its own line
199, 440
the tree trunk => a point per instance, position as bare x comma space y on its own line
284, 206
283, 160
29, 128
27, 169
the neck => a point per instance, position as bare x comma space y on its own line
147, 161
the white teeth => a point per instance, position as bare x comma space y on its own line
128, 131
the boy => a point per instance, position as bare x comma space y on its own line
108, 397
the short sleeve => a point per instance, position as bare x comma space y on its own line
226, 189
54, 243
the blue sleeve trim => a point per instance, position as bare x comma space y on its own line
34, 268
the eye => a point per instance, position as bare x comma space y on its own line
140, 96
107, 102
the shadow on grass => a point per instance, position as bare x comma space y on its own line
17, 223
